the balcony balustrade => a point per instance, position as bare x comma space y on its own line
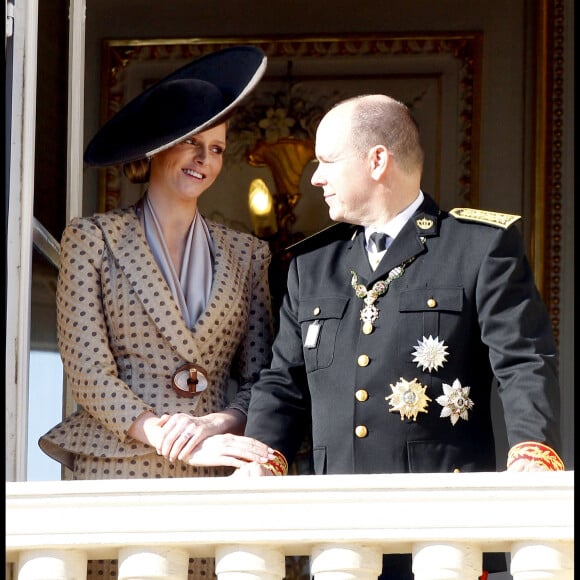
343, 523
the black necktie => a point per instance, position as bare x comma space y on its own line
379, 239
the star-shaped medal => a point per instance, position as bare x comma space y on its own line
430, 353
455, 402
408, 399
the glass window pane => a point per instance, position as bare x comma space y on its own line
44, 411
45, 387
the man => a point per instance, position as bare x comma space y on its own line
388, 349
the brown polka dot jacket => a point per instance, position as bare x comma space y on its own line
121, 334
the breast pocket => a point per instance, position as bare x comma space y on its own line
428, 312
320, 321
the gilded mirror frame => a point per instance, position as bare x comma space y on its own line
464, 47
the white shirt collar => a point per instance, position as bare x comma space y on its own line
393, 228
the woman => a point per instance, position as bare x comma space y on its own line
157, 307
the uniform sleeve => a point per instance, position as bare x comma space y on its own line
255, 352
82, 334
280, 406
516, 327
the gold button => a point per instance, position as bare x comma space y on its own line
457, 470
316, 311
431, 302
363, 360
361, 395
361, 431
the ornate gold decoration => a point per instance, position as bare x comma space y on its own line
492, 218
539, 453
425, 224
278, 465
408, 399
550, 122
430, 353
286, 158
271, 114
463, 47
455, 402
370, 312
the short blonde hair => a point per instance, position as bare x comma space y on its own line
138, 171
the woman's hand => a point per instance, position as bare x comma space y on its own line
211, 440
182, 432
227, 449
208, 441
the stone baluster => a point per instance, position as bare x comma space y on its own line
249, 563
446, 561
339, 562
542, 561
146, 563
52, 565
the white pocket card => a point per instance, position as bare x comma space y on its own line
312, 334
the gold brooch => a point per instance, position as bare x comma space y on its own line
408, 399
455, 402
189, 379
430, 353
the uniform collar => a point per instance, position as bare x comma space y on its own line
393, 227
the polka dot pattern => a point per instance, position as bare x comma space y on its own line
121, 335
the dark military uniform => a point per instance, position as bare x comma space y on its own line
464, 310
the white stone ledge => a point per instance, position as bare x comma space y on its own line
296, 513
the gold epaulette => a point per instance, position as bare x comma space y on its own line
492, 218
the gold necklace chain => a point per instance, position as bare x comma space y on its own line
370, 312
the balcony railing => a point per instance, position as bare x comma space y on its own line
344, 523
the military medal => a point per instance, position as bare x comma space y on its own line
370, 312
408, 399
455, 402
430, 353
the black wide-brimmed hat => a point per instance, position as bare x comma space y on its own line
188, 101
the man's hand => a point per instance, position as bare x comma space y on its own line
251, 470
526, 465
